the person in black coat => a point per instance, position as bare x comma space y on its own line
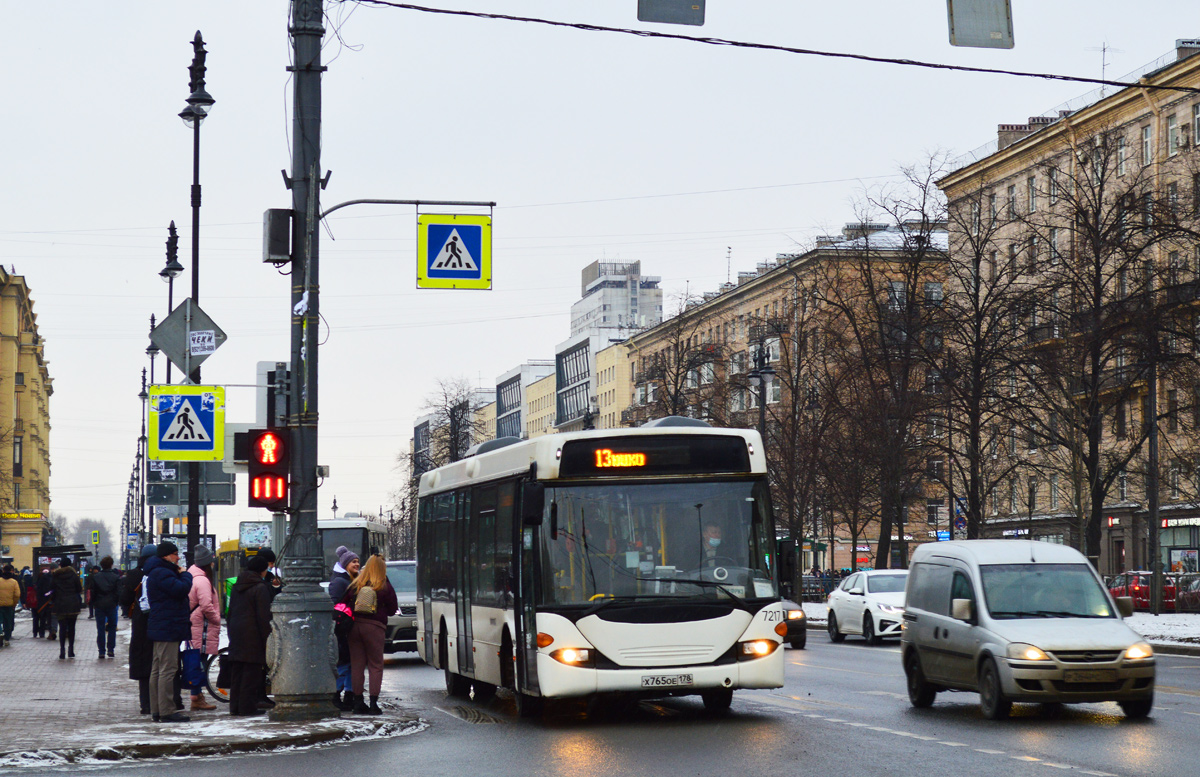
141, 654
68, 602
43, 619
249, 624
169, 624
102, 589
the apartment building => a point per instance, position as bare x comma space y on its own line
1088, 212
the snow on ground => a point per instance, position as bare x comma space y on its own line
1167, 629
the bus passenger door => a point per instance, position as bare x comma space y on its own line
525, 588
465, 542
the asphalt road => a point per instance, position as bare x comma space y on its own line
843, 711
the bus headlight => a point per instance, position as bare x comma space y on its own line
757, 648
573, 656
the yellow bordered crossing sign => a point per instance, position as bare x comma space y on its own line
187, 423
454, 251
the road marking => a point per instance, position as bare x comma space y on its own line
1057, 766
1174, 690
889, 694
838, 669
989, 752
954, 744
1098, 774
835, 720
1185, 712
1024, 758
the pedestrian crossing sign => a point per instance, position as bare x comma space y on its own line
187, 423
454, 251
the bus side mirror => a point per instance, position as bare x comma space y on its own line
533, 502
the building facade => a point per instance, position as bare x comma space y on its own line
616, 297
1088, 217
510, 395
25, 390
540, 407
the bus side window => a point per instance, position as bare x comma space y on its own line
504, 543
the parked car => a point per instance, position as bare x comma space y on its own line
1016, 620
1136, 585
401, 631
797, 625
1187, 593
868, 603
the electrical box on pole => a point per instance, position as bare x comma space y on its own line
269, 459
981, 24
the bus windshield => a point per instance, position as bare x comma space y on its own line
651, 540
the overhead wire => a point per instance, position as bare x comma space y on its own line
774, 47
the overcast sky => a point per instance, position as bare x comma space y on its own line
595, 145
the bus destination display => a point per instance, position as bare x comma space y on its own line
643, 456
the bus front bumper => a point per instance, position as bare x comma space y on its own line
558, 680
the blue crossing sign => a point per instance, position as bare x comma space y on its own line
454, 251
187, 423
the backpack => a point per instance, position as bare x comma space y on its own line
366, 602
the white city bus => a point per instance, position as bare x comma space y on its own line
624, 561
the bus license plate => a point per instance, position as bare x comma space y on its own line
1090, 675
666, 680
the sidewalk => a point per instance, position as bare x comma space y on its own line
86, 710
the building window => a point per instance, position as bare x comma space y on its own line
1031, 194
1014, 495
1053, 185
18, 468
1012, 201
933, 512
934, 468
933, 381
933, 425
1173, 198
933, 294
897, 296
1054, 251
19, 379
975, 218
1123, 484
1195, 121
1172, 135
1147, 145
1122, 156
1054, 492
1173, 410
993, 208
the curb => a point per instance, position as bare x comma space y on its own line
361, 730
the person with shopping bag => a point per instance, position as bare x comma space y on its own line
206, 622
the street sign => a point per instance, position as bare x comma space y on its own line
943, 536
187, 423
983, 24
95, 536
671, 11
187, 336
164, 486
454, 251
131, 541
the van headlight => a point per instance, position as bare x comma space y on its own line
1139, 652
1026, 652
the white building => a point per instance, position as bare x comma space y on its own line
616, 300
510, 395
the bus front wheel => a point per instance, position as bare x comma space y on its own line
718, 699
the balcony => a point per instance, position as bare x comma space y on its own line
1182, 293
1044, 333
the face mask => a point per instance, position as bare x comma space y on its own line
713, 542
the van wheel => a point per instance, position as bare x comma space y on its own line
834, 634
992, 700
869, 630
1137, 709
920, 693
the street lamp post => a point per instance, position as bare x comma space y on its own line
146, 530
199, 104
143, 454
760, 378
169, 273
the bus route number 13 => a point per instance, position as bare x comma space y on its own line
606, 459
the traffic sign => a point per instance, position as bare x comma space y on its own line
95, 536
454, 251
187, 336
187, 423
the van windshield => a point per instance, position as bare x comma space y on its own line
1043, 591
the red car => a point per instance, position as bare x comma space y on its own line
1136, 585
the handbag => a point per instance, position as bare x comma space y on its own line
366, 602
193, 668
343, 618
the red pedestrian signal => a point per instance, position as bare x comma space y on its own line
268, 469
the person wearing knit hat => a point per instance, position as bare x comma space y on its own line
148, 550
167, 590
343, 575
249, 624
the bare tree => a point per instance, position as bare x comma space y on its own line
453, 425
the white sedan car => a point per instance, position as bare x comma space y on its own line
868, 603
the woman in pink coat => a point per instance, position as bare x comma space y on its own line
205, 605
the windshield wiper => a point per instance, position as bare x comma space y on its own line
600, 605
741, 603
1066, 614
1010, 614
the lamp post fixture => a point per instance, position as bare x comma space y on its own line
199, 105
169, 273
761, 377
335, 508
143, 517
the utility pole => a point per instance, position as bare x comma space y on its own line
302, 674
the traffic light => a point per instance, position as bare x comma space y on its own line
268, 468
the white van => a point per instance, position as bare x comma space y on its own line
1018, 620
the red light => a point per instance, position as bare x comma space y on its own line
268, 488
268, 448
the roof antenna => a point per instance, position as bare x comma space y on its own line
1104, 50
728, 263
